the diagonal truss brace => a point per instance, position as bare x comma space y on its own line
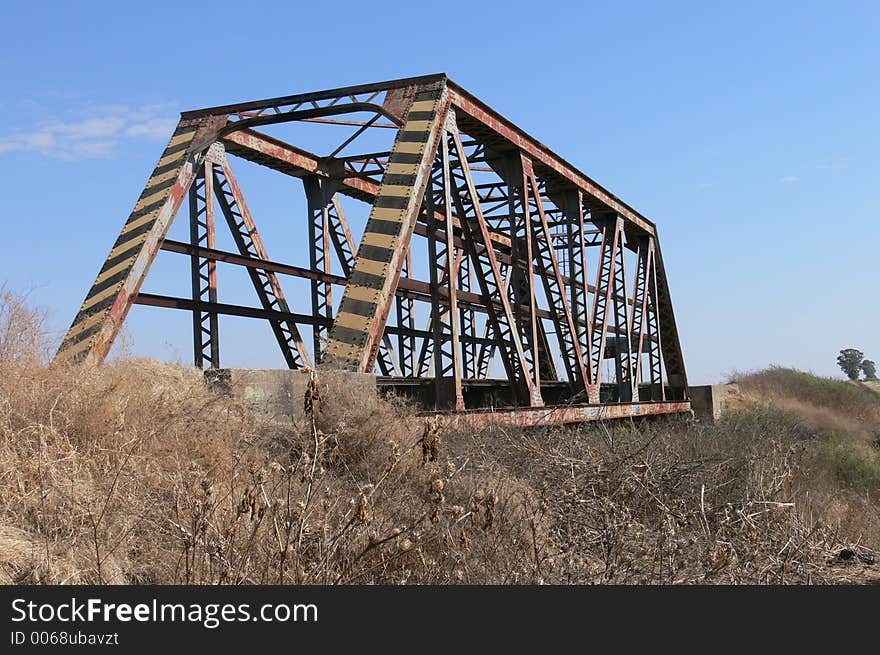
481, 252
250, 244
111, 296
612, 236
554, 288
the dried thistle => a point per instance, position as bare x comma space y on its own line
362, 508
312, 396
435, 489
393, 455
431, 439
491, 502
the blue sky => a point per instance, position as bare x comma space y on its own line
747, 131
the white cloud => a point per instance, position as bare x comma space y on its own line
155, 129
706, 185
788, 179
97, 136
93, 128
92, 149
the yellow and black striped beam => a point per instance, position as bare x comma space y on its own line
101, 315
357, 330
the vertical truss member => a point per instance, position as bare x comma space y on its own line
573, 210
644, 324
426, 353
467, 320
319, 258
441, 254
206, 338
328, 224
520, 290
622, 349
612, 237
406, 341
655, 358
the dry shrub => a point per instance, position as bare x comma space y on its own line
136, 472
682, 502
354, 501
87, 456
23, 334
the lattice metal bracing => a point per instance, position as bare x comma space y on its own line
487, 350
442, 262
206, 331
490, 271
327, 224
467, 324
435, 219
550, 273
319, 254
622, 347
652, 334
578, 273
406, 319
612, 232
522, 276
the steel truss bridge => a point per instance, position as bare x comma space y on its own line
546, 295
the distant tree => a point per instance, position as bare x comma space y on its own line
850, 361
869, 369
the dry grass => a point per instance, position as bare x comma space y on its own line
834, 403
135, 472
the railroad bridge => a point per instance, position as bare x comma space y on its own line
492, 280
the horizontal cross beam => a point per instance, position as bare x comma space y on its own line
173, 302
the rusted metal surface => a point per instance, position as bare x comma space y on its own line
526, 417
206, 331
527, 259
107, 303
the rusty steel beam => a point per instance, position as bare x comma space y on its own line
406, 287
326, 94
109, 300
206, 331
554, 286
484, 116
528, 417
275, 154
488, 274
360, 322
277, 315
188, 304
